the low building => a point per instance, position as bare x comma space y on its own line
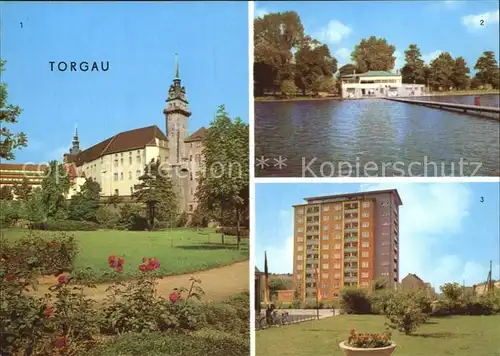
377, 84
415, 283
15, 173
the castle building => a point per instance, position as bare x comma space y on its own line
117, 162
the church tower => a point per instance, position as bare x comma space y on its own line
177, 114
75, 149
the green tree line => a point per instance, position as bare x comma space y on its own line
288, 61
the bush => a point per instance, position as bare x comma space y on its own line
355, 301
378, 301
107, 218
65, 225
232, 231
51, 255
288, 88
204, 342
132, 218
404, 312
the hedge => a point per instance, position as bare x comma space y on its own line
232, 231
65, 225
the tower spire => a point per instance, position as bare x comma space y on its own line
176, 66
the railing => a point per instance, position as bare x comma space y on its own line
261, 322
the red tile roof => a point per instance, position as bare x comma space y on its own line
197, 136
123, 141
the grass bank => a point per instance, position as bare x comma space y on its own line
178, 250
457, 336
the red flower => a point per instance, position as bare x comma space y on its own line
121, 260
61, 342
142, 268
62, 279
173, 297
144, 259
112, 258
119, 269
49, 310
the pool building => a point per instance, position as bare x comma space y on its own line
377, 84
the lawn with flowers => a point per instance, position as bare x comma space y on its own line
133, 317
454, 335
176, 251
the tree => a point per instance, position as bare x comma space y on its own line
34, 210
288, 88
275, 35
114, 200
404, 312
460, 74
487, 69
156, 191
9, 141
313, 62
23, 190
348, 69
55, 187
413, 70
452, 291
6, 193
374, 54
441, 70
85, 204
224, 182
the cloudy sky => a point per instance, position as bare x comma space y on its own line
448, 231
463, 28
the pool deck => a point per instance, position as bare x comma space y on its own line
443, 105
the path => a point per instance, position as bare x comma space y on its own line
217, 283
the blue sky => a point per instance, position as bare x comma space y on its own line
140, 41
446, 232
435, 26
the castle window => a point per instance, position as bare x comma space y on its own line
117, 192
121, 161
138, 157
129, 175
121, 176
138, 173
115, 176
116, 163
197, 158
190, 158
102, 159
130, 159
190, 176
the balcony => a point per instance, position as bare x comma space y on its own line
350, 258
351, 279
351, 210
350, 239
350, 248
312, 242
350, 269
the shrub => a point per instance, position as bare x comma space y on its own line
404, 312
288, 88
378, 301
65, 225
232, 231
51, 255
132, 218
355, 301
107, 218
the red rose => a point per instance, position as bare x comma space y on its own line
144, 259
62, 279
142, 267
112, 258
121, 260
61, 342
173, 297
49, 310
119, 269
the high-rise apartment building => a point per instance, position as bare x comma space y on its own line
345, 240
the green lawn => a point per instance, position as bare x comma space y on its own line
457, 335
178, 250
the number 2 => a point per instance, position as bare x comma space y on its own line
481, 22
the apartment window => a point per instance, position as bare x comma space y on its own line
384, 273
385, 234
384, 214
116, 163
325, 237
326, 207
364, 274
300, 248
336, 275
365, 244
130, 160
384, 203
138, 157
300, 229
336, 266
365, 254
300, 239
338, 207
300, 257
385, 243
299, 220
121, 176
337, 227
138, 173
337, 246
365, 234
326, 218
325, 266
365, 215
364, 264
300, 267
338, 237
337, 217
325, 256
365, 224
324, 275
115, 176
366, 204
325, 228
326, 247
337, 256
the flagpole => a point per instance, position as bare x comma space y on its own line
266, 281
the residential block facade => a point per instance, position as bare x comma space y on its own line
345, 240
